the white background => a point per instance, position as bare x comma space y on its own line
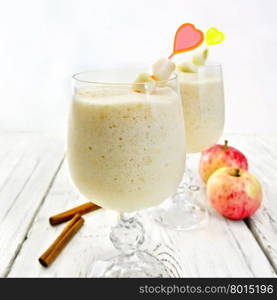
43, 42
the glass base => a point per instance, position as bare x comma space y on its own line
138, 264
181, 216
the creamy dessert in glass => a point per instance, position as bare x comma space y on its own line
126, 149
201, 89
203, 105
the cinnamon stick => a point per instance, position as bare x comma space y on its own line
61, 241
69, 214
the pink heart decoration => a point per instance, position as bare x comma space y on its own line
187, 38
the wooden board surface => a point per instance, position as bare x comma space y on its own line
223, 248
28, 163
262, 156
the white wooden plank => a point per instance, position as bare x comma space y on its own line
224, 248
11, 151
262, 156
89, 244
27, 170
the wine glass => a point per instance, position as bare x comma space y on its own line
203, 106
126, 153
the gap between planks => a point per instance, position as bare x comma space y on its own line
9, 268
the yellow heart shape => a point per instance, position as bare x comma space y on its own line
214, 36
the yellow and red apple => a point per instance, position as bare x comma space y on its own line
234, 192
219, 156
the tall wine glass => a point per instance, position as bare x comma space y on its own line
203, 106
126, 152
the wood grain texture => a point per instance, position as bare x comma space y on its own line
262, 156
28, 162
89, 244
222, 249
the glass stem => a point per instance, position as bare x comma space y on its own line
128, 234
187, 185
189, 177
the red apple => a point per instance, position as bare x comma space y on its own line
235, 193
219, 156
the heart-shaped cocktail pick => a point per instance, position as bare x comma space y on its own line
214, 36
187, 38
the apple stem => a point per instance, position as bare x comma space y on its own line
237, 174
225, 145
